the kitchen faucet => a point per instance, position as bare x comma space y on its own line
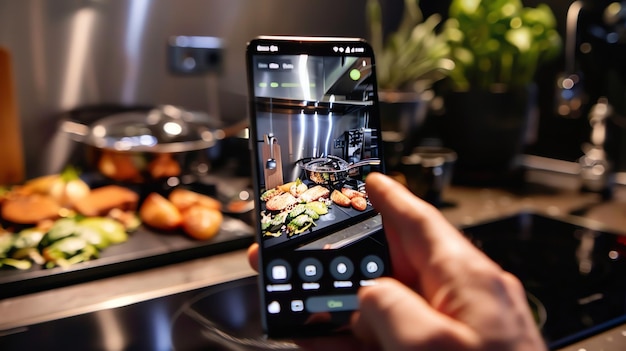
596, 169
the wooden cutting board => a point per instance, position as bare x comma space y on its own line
11, 148
273, 177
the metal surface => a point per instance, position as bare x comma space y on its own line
72, 53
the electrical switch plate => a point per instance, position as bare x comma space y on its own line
194, 55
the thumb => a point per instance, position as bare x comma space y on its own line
396, 318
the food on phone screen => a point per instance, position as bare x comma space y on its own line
351, 193
314, 193
339, 198
280, 202
358, 203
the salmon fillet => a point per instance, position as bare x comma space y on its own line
102, 200
314, 193
280, 202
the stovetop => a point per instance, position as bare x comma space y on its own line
575, 277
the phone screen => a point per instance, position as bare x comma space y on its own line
315, 134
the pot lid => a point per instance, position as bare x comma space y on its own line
163, 129
326, 164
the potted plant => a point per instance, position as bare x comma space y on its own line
409, 60
490, 97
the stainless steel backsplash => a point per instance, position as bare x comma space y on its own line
74, 53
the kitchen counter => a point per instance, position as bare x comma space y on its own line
464, 206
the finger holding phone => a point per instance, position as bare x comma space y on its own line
445, 294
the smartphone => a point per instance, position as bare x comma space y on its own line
315, 135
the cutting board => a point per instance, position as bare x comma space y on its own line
273, 177
11, 149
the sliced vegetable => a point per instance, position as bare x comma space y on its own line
62, 228
68, 251
6, 242
28, 238
266, 220
19, 264
277, 222
268, 194
309, 212
280, 219
93, 236
319, 207
297, 210
109, 228
299, 224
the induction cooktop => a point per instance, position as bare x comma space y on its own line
574, 274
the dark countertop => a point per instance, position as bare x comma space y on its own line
470, 205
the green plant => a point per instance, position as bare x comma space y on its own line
499, 44
414, 56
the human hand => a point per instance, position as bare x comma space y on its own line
445, 293
448, 295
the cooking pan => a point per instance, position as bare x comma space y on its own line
332, 169
137, 146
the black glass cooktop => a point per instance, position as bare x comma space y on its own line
574, 275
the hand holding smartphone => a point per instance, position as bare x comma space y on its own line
315, 135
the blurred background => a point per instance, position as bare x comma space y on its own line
69, 54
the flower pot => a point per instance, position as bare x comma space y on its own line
402, 116
488, 130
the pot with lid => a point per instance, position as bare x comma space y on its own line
137, 146
331, 170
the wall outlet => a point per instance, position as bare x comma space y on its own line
194, 55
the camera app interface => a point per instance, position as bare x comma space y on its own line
317, 137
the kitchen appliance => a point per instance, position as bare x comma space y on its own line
572, 270
358, 144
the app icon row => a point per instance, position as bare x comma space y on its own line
310, 269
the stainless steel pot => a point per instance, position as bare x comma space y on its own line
332, 169
138, 146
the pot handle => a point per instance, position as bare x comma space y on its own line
366, 162
77, 131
